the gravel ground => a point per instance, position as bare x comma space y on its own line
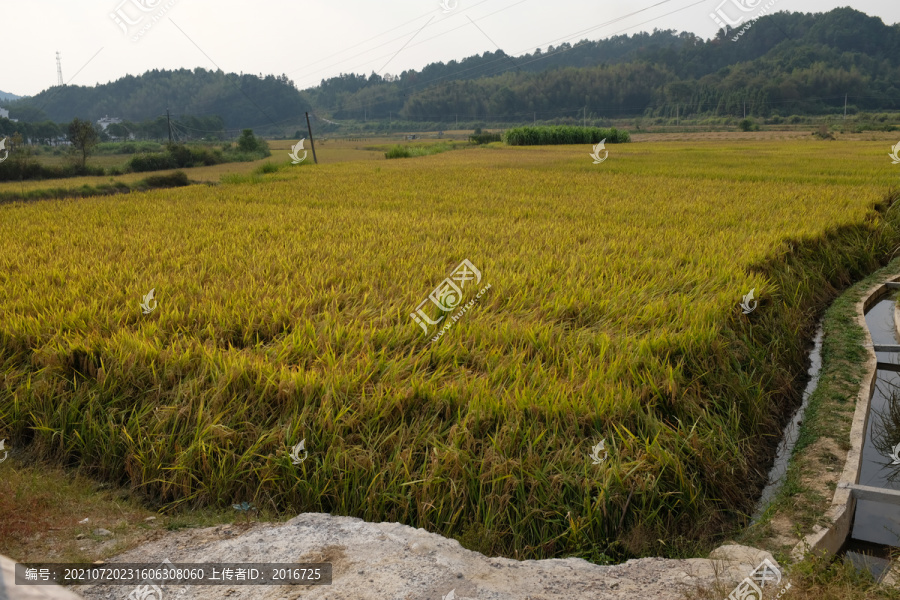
389, 561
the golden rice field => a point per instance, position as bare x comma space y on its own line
284, 315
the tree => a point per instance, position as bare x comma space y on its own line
247, 141
250, 143
84, 136
117, 131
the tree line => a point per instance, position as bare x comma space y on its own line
785, 64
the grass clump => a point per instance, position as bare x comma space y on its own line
399, 151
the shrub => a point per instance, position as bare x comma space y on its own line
266, 168
176, 179
485, 138
822, 133
179, 156
398, 152
151, 162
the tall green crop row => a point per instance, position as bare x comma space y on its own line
563, 134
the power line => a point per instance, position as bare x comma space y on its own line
369, 40
456, 74
566, 38
423, 41
404, 46
239, 88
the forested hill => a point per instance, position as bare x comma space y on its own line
240, 100
785, 63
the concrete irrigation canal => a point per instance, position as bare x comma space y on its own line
865, 510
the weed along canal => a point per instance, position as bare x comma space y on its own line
876, 521
792, 430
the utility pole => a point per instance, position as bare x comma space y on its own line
585, 117
535, 119
169, 121
457, 121
311, 142
845, 107
745, 109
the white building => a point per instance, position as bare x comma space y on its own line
4, 114
107, 121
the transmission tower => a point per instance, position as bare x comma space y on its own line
59, 79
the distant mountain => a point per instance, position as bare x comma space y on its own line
779, 65
253, 101
8, 96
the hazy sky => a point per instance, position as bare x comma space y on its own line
313, 39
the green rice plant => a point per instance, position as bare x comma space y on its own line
266, 168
